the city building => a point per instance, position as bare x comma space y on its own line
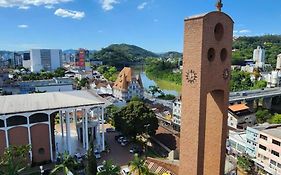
240, 116
17, 60
30, 119
268, 150
82, 56
52, 85
176, 120
236, 143
274, 79
128, 85
259, 57
26, 62
278, 63
205, 91
43, 59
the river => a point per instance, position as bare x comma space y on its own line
161, 84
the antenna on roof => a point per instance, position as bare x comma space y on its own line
219, 5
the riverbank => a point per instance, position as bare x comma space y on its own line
165, 84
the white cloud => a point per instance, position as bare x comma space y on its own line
24, 7
108, 4
245, 31
142, 5
23, 26
242, 32
69, 13
49, 6
25, 4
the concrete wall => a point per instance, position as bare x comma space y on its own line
3, 142
18, 136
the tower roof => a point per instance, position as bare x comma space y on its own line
124, 78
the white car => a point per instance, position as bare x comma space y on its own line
97, 154
125, 171
100, 168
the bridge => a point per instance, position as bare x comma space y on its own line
254, 94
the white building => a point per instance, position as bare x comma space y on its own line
240, 117
278, 64
176, 120
45, 59
236, 143
128, 85
259, 57
274, 79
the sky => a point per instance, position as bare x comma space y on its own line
156, 25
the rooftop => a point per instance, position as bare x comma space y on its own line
48, 101
274, 131
238, 107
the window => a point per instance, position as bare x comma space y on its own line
16, 120
275, 142
262, 147
263, 137
2, 123
275, 153
41, 151
273, 162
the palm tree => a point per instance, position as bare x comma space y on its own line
109, 169
137, 165
66, 166
14, 160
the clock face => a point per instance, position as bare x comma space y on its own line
191, 76
226, 74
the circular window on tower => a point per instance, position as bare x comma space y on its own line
223, 54
211, 54
41, 151
219, 31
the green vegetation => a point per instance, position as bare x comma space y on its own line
135, 119
163, 70
43, 75
245, 163
109, 72
109, 169
138, 166
242, 81
84, 82
91, 167
166, 97
275, 119
120, 55
14, 160
245, 46
67, 164
263, 116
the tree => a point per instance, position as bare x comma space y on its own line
154, 90
92, 162
14, 160
138, 166
132, 119
68, 164
276, 119
245, 163
262, 116
109, 169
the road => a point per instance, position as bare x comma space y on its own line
233, 96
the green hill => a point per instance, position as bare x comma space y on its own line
244, 47
120, 55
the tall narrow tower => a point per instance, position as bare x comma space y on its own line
205, 93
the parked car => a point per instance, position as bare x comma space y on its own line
100, 168
125, 171
110, 130
97, 154
120, 139
78, 157
136, 149
124, 143
118, 136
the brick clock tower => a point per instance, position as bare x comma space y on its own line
205, 93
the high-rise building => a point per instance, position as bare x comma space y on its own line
205, 93
82, 57
278, 63
45, 59
259, 57
26, 63
17, 59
